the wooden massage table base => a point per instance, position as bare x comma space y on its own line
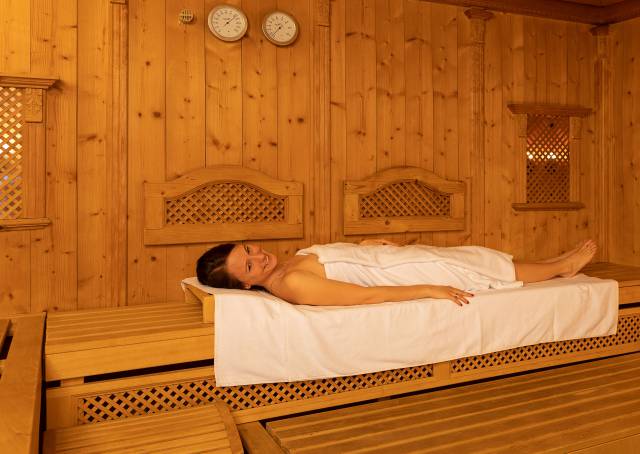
84, 344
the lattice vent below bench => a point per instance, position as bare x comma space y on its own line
191, 393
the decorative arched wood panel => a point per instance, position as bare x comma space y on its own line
226, 203
403, 199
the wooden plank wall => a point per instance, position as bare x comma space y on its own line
625, 206
399, 95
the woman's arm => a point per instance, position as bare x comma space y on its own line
302, 287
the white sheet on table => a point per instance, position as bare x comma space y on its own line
262, 339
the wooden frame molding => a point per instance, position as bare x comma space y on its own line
382, 213
11, 225
195, 224
558, 9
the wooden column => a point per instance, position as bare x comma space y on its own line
603, 159
478, 18
321, 79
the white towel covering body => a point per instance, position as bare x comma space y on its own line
465, 267
260, 338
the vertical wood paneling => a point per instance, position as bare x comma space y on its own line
360, 81
399, 94
15, 36
260, 97
62, 157
445, 96
390, 84
43, 275
294, 115
338, 114
94, 65
223, 95
497, 172
146, 266
185, 118
14, 273
627, 179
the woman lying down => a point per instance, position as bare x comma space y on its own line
379, 271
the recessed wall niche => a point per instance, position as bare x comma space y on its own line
548, 156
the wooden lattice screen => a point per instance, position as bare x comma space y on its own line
11, 123
548, 159
22, 152
227, 202
403, 199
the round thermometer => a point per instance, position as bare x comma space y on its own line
228, 23
280, 28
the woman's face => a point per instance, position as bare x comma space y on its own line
250, 264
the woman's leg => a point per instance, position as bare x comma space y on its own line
563, 266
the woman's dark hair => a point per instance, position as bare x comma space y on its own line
212, 268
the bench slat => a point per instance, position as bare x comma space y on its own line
201, 429
110, 318
488, 416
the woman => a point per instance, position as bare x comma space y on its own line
307, 279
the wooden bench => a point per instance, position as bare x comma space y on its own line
207, 429
81, 345
590, 408
87, 343
20, 383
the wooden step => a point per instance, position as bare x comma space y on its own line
206, 429
558, 410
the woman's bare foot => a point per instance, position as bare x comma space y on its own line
566, 254
578, 259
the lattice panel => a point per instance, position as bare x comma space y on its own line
11, 106
628, 333
548, 163
405, 198
169, 396
225, 203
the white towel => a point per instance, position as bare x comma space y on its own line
466, 267
262, 339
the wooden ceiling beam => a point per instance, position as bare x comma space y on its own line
558, 9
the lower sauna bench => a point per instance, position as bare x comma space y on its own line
586, 408
208, 429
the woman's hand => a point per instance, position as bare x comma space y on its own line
449, 293
378, 242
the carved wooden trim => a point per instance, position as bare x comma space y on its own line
603, 101
549, 109
557, 9
7, 80
474, 66
11, 225
403, 199
322, 12
175, 213
568, 206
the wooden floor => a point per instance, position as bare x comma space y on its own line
590, 408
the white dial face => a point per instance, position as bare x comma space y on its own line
227, 22
280, 28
